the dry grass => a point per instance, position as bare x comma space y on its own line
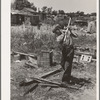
31, 39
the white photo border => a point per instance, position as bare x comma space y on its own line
5, 49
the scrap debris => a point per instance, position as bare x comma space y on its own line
46, 83
24, 83
50, 83
31, 60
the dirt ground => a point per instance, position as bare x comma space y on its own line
82, 73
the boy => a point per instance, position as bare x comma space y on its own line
67, 50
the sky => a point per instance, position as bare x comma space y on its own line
88, 6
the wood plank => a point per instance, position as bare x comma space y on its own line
30, 64
49, 85
85, 53
24, 54
36, 84
24, 83
31, 89
45, 80
94, 60
55, 84
60, 86
51, 73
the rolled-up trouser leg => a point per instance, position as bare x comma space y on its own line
64, 56
67, 74
68, 67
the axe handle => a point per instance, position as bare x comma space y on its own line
67, 28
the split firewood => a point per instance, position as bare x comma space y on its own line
47, 85
31, 81
30, 64
24, 54
30, 90
23, 83
50, 83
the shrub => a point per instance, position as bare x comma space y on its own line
31, 39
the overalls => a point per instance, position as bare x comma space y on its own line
67, 54
67, 58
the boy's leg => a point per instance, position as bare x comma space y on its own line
63, 59
63, 62
66, 76
68, 67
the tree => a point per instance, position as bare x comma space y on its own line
49, 10
61, 12
20, 4
93, 14
80, 13
33, 7
44, 9
54, 12
71, 14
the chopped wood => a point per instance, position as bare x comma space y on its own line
31, 89
51, 73
24, 54
61, 85
30, 64
50, 83
23, 83
45, 80
41, 76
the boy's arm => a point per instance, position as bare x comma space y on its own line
73, 34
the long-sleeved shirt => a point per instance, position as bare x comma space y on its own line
60, 32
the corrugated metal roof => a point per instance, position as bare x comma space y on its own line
25, 13
15, 11
29, 9
21, 12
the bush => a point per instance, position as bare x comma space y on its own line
31, 39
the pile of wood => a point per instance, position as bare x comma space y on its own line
41, 81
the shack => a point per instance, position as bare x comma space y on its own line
91, 27
24, 15
81, 23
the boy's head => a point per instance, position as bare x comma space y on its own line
57, 31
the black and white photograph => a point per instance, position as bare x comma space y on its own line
53, 50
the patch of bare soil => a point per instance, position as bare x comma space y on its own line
82, 74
